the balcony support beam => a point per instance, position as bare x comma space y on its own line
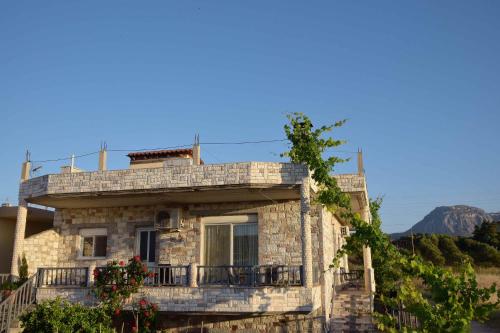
305, 224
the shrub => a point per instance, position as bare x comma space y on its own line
483, 254
429, 251
451, 252
64, 317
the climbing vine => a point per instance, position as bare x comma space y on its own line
442, 301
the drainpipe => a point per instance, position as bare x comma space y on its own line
22, 214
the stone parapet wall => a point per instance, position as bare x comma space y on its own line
350, 183
210, 299
170, 177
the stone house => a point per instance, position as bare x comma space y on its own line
234, 245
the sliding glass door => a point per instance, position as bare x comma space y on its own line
230, 244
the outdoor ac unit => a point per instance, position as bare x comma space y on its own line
344, 231
169, 219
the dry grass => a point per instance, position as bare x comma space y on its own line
487, 276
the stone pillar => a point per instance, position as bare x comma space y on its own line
196, 150
367, 260
193, 272
103, 158
22, 214
305, 224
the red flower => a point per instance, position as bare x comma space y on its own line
122, 263
151, 274
134, 329
96, 272
113, 288
117, 312
137, 258
155, 307
144, 268
146, 313
142, 303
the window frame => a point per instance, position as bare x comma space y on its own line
230, 220
138, 243
92, 232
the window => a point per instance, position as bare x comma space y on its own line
146, 245
231, 240
93, 243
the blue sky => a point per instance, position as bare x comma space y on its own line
419, 82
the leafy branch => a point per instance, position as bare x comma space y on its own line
447, 302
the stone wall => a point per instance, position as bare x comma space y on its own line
167, 177
278, 223
42, 250
210, 299
259, 323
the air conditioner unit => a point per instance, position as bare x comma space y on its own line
344, 231
169, 219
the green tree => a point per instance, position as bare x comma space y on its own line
482, 253
487, 233
451, 252
429, 250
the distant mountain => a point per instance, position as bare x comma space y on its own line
495, 216
457, 220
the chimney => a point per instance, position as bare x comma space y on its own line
103, 157
361, 169
25, 171
196, 150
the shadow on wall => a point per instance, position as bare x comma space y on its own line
38, 220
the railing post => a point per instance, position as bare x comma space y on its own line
90, 277
193, 270
39, 277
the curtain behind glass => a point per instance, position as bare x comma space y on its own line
245, 244
217, 245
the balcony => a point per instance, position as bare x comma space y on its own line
188, 182
218, 289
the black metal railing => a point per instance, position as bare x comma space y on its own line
167, 275
264, 275
352, 279
70, 276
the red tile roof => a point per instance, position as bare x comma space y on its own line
154, 154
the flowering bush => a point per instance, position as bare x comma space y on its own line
114, 285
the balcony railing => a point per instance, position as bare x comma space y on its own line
166, 275
250, 276
54, 276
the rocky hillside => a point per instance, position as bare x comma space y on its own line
451, 220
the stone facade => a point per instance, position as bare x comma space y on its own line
42, 250
165, 178
278, 223
259, 323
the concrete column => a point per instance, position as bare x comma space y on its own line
367, 260
193, 272
196, 150
22, 214
103, 158
305, 224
